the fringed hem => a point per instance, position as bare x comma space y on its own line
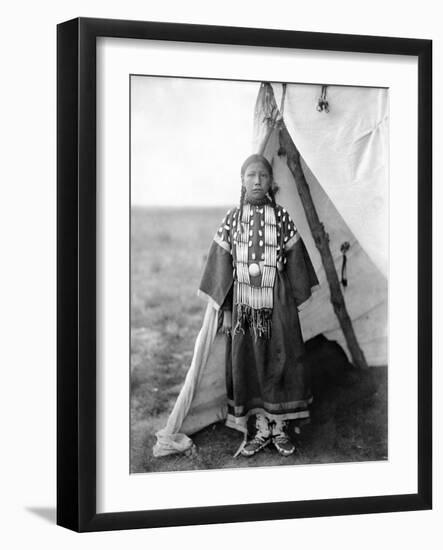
260, 320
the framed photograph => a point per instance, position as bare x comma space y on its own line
244, 274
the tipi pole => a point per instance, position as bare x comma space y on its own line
321, 240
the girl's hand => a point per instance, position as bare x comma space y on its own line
227, 322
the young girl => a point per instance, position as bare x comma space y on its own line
258, 273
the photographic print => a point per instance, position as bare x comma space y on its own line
259, 262
242, 216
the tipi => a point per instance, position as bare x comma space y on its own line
342, 136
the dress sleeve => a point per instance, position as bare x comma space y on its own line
299, 268
218, 273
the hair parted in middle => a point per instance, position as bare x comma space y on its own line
255, 158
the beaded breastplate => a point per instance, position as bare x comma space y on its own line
255, 259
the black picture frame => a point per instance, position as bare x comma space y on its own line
76, 273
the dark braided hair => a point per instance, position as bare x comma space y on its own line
246, 163
271, 194
256, 158
240, 210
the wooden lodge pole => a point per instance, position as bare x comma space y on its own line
321, 240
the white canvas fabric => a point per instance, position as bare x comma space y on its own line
202, 399
351, 200
366, 295
346, 166
347, 149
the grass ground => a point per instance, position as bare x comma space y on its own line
168, 251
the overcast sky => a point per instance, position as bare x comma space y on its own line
189, 138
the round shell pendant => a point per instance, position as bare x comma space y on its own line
254, 270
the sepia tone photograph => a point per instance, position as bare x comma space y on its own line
259, 273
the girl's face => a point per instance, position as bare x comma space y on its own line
257, 181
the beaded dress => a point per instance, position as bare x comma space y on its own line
258, 268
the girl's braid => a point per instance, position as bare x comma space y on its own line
240, 211
271, 194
